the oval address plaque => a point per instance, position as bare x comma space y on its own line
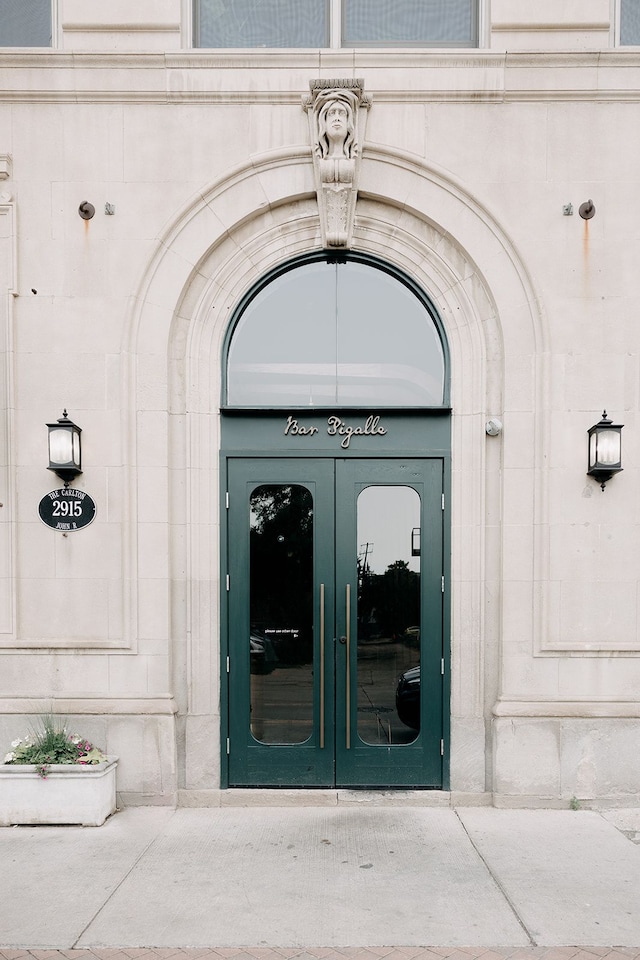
67, 509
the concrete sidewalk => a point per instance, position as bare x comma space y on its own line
331, 877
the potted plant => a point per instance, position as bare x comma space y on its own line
51, 776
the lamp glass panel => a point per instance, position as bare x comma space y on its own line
76, 448
593, 449
60, 446
609, 447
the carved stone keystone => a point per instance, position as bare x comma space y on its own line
337, 111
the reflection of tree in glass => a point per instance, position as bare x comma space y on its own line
281, 569
388, 602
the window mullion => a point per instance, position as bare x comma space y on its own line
335, 23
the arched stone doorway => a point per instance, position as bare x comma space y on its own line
420, 221
336, 459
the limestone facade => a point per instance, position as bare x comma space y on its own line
470, 163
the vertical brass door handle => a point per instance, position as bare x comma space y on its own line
322, 666
348, 666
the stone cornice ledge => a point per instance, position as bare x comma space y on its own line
280, 59
570, 709
163, 705
196, 76
5, 166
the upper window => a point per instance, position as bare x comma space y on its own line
25, 23
335, 23
326, 333
630, 22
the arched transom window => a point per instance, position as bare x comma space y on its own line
344, 332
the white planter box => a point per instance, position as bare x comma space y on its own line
70, 793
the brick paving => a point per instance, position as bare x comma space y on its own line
332, 953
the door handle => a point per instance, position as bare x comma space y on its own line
347, 641
322, 666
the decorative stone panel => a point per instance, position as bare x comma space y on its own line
337, 112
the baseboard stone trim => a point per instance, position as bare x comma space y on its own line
90, 706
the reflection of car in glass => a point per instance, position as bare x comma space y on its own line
408, 698
262, 656
412, 636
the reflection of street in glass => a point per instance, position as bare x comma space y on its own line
387, 615
389, 604
282, 697
282, 704
380, 664
281, 642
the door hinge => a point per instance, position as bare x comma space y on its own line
229, 583
229, 665
442, 501
441, 748
228, 746
441, 666
226, 499
442, 585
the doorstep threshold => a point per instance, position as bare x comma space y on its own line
292, 797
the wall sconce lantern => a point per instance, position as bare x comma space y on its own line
64, 449
605, 449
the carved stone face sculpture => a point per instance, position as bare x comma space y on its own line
337, 119
337, 112
336, 129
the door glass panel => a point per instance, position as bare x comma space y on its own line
281, 610
388, 542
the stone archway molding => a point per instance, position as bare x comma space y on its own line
260, 214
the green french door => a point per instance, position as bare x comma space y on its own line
335, 622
